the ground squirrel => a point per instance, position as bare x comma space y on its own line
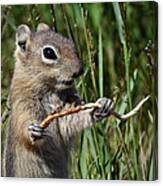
43, 83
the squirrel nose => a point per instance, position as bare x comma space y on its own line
79, 72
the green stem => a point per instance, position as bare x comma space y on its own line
100, 63
89, 53
98, 153
127, 57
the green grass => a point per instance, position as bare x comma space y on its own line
120, 62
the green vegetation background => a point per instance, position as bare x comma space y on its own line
118, 46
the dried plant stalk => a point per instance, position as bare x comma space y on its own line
132, 112
45, 123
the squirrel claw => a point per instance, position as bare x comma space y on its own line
35, 132
105, 110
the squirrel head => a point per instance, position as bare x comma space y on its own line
47, 56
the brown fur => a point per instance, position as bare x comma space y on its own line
37, 90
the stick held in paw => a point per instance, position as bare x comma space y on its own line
45, 123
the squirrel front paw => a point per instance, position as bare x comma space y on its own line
35, 132
105, 110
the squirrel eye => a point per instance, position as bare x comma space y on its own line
49, 54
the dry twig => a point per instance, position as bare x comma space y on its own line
132, 112
45, 123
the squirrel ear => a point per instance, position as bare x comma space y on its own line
23, 35
42, 27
